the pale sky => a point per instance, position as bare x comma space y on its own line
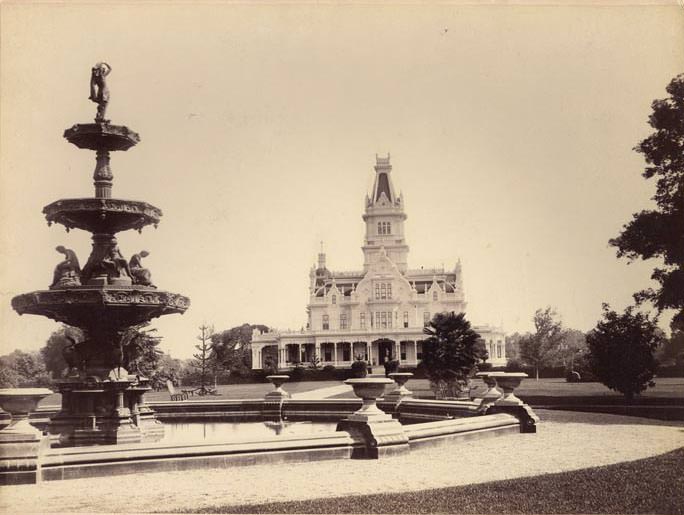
511, 131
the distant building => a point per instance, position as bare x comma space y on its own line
376, 313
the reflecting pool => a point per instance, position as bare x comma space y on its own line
217, 431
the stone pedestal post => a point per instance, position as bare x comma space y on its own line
21, 444
509, 403
380, 433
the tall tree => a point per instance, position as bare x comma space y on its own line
573, 343
231, 349
621, 350
659, 233
204, 361
450, 353
21, 368
673, 349
140, 350
541, 348
512, 345
53, 350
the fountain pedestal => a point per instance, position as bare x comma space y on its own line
381, 434
21, 444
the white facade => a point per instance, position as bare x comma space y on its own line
378, 312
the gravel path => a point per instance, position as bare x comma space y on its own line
558, 446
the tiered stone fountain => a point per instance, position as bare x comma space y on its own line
101, 402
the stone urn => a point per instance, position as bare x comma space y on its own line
369, 389
492, 392
19, 403
400, 392
508, 382
278, 381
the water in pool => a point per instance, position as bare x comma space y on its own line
184, 432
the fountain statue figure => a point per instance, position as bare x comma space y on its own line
67, 273
140, 274
99, 92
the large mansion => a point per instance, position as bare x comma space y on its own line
376, 313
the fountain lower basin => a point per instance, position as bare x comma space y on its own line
424, 423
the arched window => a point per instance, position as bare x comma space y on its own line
326, 322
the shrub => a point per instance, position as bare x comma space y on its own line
297, 373
484, 367
359, 368
621, 351
573, 376
391, 366
450, 353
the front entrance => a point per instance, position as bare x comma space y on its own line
385, 349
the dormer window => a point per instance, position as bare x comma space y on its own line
434, 296
334, 299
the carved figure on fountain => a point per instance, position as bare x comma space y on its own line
140, 274
67, 273
74, 358
106, 265
99, 92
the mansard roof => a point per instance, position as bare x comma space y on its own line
421, 279
383, 191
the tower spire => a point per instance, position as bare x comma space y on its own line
383, 183
384, 219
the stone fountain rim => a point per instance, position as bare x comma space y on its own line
368, 380
25, 392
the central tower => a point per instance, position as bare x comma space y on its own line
384, 219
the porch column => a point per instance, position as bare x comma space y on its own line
317, 351
415, 351
255, 358
335, 354
299, 350
397, 351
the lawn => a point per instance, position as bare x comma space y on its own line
543, 392
667, 390
228, 391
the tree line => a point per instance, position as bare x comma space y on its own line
623, 350
220, 355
